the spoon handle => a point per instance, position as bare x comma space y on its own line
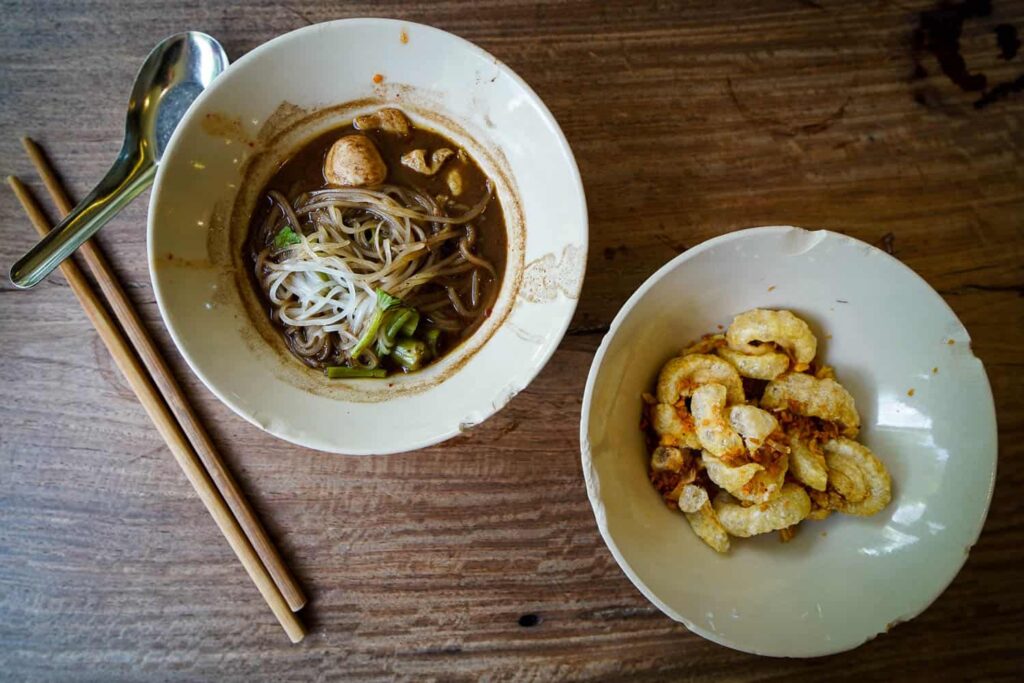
130, 175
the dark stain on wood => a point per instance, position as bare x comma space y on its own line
529, 620
1007, 40
999, 92
939, 34
611, 252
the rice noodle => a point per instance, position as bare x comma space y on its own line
354, 241
457, 304
474, 289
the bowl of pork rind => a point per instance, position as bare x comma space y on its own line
787, 441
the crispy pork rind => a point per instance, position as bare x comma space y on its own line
751, 482
806, 466
806, 395
790, 507
670, 470
748, 452
764, 366
753, 424
681, 376
858, 483
765, 486
705, 524
754, 331
692, 498
668, 422
729, 478
714, 432
667, 459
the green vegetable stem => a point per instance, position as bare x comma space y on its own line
345, 372
411, 354
385, 302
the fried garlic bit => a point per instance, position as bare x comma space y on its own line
812, 397
740, 468
709, 343
754, 333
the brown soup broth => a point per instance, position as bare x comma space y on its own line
303, 172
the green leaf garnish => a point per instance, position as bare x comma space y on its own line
286, 237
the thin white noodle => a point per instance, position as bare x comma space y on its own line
353, 242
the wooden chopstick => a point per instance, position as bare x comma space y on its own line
171, 391
169, 429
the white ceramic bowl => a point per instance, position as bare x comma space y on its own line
843, 580
258, 113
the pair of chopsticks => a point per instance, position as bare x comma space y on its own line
154, 385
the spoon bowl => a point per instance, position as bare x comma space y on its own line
171, 78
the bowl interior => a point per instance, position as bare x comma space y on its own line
843, 580
257, 114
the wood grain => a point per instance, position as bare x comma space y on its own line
163, 378
142, 385
687, 120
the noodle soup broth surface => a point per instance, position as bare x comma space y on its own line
451, 303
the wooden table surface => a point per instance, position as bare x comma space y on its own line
687, 121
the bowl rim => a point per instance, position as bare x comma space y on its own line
593, 487
457, 425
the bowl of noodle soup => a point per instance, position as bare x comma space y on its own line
324, 269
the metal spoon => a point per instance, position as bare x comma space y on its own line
173, 75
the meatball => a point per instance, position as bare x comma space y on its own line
353, 161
